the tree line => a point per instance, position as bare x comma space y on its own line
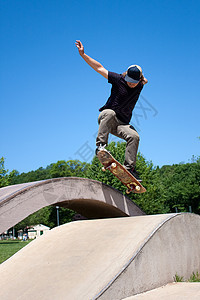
170, 188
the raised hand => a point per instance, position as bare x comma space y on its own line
90, 61
80, 47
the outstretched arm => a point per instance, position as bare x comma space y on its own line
90, 61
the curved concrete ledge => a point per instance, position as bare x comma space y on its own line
104, 259
90, 198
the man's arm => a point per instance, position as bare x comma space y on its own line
90, 61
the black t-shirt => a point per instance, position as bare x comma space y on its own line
122, 98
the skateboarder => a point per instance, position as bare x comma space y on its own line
116, 114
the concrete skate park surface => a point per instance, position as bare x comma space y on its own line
90, 198
172, 291
104, 259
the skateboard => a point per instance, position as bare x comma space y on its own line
111, 164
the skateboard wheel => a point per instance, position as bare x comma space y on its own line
137, 188
113, 165
103, 169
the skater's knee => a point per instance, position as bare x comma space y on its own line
133, 137
106, 115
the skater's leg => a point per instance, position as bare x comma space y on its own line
107, 121
130, 135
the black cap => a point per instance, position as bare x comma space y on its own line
134, 74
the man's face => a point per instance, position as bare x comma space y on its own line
132, 85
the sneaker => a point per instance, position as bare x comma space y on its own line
99, 148
135, 174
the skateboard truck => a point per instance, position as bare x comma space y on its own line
111, 166
131, 187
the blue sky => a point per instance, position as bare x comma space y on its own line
49, 97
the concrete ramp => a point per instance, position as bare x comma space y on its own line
104, 259
90, 198
172, 291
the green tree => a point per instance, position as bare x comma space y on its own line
154, 200
3, 173
5, 176
71, 168
182, 183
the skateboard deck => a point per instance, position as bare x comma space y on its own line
111, 164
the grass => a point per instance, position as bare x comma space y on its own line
195, 277
9, 247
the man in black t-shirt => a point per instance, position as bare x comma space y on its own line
116, 114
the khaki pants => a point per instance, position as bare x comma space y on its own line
108, 123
